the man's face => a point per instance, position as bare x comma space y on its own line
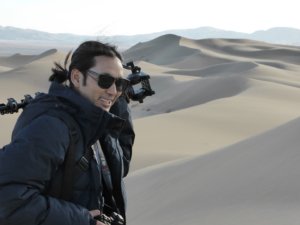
103, 98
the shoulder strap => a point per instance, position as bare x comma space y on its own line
64, 190
106, 175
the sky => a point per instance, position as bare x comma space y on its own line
127, 17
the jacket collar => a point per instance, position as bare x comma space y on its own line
92, 120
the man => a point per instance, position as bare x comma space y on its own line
34, 186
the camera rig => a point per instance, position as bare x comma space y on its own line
12, 106
136, 77
114, 219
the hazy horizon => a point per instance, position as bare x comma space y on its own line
130, 17
158, 31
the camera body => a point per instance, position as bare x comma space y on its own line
136, 77
114, 219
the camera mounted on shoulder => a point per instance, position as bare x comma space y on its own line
114, 219
136, 77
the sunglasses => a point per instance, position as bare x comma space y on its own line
105, 80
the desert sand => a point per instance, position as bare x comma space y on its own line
217, 143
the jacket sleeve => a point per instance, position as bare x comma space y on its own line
26, 166
127, 135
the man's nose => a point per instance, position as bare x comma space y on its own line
112, 89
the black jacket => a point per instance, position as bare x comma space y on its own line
35, 156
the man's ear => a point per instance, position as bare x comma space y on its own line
75, 77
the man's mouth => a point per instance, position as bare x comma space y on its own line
106, 102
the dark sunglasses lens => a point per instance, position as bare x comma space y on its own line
121, 84
105, 81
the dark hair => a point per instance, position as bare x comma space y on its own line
83, 59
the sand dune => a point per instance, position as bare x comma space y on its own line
216, 144
253, 182
187, 53
162, 51
29, 77
166, 50
4, 68
246, 50
17, 60
222, 69
206, 127
7, 123
174, 95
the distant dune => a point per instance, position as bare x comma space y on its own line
217, 143
17, 60
28, 74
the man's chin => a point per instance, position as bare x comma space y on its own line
103, 107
